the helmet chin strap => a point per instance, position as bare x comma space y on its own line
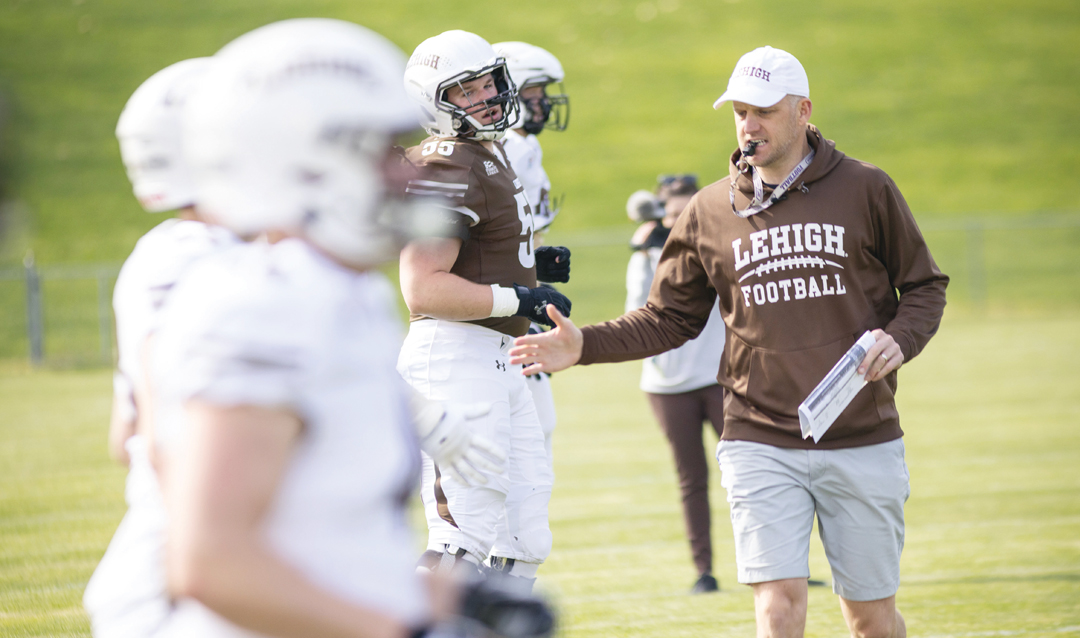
468, 129
529, 123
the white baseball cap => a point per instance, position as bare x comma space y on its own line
763, 77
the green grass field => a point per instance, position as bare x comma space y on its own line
969, 105
993, 525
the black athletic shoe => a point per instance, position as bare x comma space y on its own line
810, 582
705, 584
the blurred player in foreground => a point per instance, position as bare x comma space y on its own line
126, 595
680, 383
534, 70
470, 294
806, 250
287, 449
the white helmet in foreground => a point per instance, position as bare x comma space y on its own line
451, 59
149, 136
291, 130
530, 65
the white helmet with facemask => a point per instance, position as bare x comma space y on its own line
150, 140
291, 131
451, 59
531, 65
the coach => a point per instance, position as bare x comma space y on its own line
805, 249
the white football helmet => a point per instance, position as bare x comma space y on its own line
149, 136
447, 60
530, 65
291, 130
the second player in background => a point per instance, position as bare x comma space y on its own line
535, 71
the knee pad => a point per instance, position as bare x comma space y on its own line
533, 542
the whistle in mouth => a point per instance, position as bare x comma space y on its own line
751, 148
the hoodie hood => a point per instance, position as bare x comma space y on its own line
826, 158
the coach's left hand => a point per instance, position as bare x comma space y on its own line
882, 358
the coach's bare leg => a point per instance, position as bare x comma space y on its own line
874, 618
780, 607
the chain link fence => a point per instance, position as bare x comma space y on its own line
62, 315
59, 314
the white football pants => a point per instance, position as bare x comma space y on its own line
126, 597
465, 363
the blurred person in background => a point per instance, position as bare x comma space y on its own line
286, 444
126, 595
806, 249
534, 70
469, 295
681, 383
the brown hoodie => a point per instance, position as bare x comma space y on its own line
798, 283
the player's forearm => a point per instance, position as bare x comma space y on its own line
121, 428
247, 585
122, 421
446, 296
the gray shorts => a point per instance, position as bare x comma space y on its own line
857, 493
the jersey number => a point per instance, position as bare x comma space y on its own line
525, 250
445, 148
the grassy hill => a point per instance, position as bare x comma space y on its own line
968, 105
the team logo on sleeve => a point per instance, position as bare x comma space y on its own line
791, 247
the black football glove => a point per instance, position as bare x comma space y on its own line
553, 264
533, 303
505, 613
491, 609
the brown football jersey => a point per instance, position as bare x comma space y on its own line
485, 195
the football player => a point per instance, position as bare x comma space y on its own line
285, 439
126, 595
469, 295
534, 70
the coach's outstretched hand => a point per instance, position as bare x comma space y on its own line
550, 351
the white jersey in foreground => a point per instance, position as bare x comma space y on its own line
159, 259
527, 159
692, 365
126, 596
282, 325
